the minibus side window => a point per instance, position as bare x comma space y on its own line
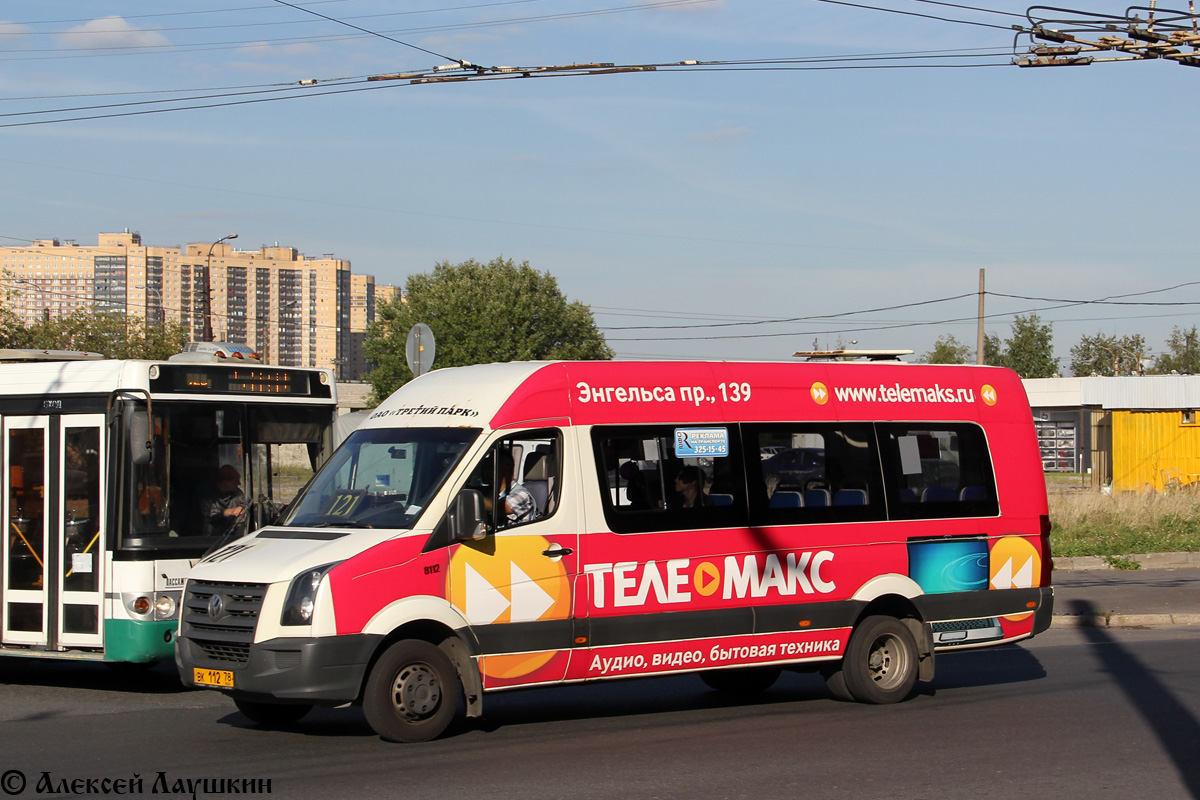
937, 470
520, 478
803, 473
670, 477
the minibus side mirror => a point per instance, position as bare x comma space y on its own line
468, 517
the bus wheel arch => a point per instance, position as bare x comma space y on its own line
889, 650
451, 643
895, 596
412, 693
881, 662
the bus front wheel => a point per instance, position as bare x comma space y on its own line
880, 664
413, 692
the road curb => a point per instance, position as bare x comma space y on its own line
1122, 620
1144, 560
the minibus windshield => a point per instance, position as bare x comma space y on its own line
381, 478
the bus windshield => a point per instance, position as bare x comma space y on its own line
219, 470
381, 478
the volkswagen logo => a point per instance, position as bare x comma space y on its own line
216, 606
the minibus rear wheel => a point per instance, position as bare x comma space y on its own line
413, 692
880, 664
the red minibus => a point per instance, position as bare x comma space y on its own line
519, 525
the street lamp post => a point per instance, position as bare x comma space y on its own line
208, 331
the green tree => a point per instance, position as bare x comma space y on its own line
12, 331
947, 350
1182, 354
1029, 351
480, 314
1108, 355
113, 334
993, 351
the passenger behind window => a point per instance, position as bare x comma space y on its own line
689, 483
519, 505
636, 494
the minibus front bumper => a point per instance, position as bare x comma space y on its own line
326, 670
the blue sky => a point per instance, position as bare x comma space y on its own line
666, 198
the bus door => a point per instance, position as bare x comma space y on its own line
26, 538
515, 586
80, 534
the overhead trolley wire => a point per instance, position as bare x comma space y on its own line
1060, 303
316, 87
365, 30
915, 14
812, 318
227, 45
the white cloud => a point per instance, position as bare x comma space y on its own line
108, 32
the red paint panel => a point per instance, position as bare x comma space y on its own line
366, 583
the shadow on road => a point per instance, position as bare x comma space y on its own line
1175, 726
668, 694
138, 678
633, 697
989, 667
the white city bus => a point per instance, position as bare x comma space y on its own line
107, 464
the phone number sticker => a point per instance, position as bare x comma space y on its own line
691, 442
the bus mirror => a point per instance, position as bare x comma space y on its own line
468, 520
141, 451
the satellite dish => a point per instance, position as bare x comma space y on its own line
419, 349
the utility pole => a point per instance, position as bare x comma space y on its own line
979, 325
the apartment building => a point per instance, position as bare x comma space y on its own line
294, 309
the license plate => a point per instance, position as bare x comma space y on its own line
213, 677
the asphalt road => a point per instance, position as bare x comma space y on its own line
1075, 713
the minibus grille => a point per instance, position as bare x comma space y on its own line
222, 630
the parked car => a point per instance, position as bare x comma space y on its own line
796, 466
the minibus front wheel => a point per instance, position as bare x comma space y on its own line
413, 692
880, 664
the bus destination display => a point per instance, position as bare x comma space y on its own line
236, 380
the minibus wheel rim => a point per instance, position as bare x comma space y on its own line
413, 693
880, 663
887, 662
416, 693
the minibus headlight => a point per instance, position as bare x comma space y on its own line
302, 596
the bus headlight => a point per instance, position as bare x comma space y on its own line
165, 606
302, 596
